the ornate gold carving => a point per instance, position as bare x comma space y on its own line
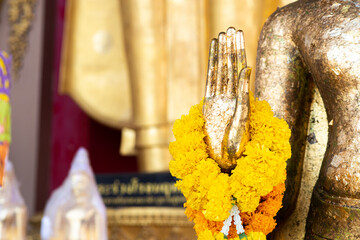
161, 223
146, 234
20, 15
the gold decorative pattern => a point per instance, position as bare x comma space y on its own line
137, 223
20, 15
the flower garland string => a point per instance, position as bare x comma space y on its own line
255, 186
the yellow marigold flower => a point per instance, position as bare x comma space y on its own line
206, 235
189, 123
219, 199
256, 236
196, 185
219, 236
259, 175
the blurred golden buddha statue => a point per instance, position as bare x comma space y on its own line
139, 64
75, 211
13, 212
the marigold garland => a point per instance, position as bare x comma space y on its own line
207, 235
256, 187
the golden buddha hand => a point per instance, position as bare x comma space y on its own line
226, 103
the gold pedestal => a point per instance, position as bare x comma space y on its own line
150, 223
139, 223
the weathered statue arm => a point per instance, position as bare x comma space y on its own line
283, 81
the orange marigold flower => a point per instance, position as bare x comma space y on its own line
262, 220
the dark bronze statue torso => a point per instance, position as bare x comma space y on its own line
330, 47
318, 40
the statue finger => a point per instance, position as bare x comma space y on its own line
232, 80
243, 89
221, 79
212, 69
238, 129
240, 51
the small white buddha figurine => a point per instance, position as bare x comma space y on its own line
78, 219
75, 210
12, 208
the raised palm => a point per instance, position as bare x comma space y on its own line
226, 103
